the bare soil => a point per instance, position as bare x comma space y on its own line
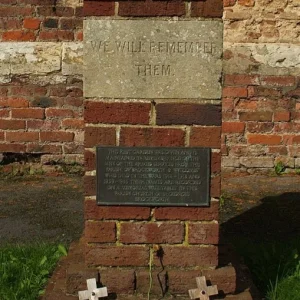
34, 208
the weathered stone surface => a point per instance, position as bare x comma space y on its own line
152, 59
267, 21
257, 162
230, 162
72, 3
29, 58
72, 58
264, 59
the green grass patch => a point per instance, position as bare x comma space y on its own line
275, 266
25, 269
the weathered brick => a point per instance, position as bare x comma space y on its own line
89, 160
10, 24
189, 256
145, 233
96, 212
188, 114
256, 116
286, 127
39, 148
199, 233
120, 256
44, 102
15, 148
71, 101
120, 281
233, 127
98, 8
58, 90
291, 139
60, 11
215, 186
56, 35
260, 127
13, 102
105, 136
246, 104
58, 113
294, 93
257, 162
76, 277
73, 123
117, 113
247, 3
89, 185
50, 23
18, 35
278, 80
159, 281
43, 124
188, 213
100, 232
208, 8
151, 8
215, 164
180, 280
16, 11
57, 136
261, 91
282, 116
132, 136
28, 113
74, 91
206, 137
24, 90
31, 23
12, 124
73, 148
239, 92
241, 79
22, 136
264, 139
3, 91
4, 113
227, 104
79, 36
278, 150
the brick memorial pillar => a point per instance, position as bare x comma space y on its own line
153, 79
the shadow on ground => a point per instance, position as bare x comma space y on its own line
275, 218
47, 208
260, 217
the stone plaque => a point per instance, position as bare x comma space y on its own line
153, 176
152, 59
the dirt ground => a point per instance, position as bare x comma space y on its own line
51, 207
48, 208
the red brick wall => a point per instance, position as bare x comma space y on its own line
41, 113
39, 20
261, 117
260, 121
124, 239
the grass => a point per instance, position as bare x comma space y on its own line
25, 269
275, 267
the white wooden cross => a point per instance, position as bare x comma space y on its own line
92, 293
203, 291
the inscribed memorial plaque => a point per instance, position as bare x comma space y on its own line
152, 59
153, 176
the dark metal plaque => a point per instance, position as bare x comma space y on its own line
145, 176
